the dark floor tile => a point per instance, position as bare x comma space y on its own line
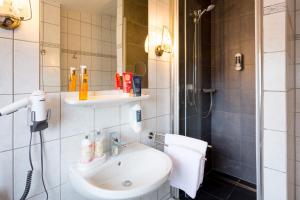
251, 185
242, 194
219, 176
217, 188
201, 195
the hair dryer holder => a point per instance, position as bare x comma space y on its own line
36, 126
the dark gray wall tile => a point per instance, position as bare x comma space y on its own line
233, 119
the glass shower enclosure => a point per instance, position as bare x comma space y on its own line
216, 99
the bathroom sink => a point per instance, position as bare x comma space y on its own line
138, 170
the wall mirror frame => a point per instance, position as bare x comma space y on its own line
108, 36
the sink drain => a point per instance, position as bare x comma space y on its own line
127, 183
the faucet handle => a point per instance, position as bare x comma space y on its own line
115, 140
118, 142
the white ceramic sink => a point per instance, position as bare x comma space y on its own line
138, 170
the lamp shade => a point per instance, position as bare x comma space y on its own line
19, 9
12, 12
166, 42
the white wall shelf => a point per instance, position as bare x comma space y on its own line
104, 99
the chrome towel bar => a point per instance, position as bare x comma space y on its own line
153, 136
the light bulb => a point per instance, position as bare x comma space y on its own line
166, 40
18, 4
147, 44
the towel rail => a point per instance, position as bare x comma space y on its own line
153, 135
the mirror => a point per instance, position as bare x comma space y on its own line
107, 36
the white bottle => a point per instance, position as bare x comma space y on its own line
92, 139
86, 154
136, 118
99, 145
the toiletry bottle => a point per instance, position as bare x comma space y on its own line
83, 83
99, 145
92, 139
117, 81
127, 82
72, 80
137, 86
86, 150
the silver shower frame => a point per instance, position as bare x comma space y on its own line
258, 90
259, 97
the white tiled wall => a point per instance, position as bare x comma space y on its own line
20, 75
278, 100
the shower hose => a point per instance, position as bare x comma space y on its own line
29, 173
210, 106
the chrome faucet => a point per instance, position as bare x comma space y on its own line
116, 146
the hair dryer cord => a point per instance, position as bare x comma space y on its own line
42, 165
29, 173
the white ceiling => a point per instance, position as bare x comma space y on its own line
92, 6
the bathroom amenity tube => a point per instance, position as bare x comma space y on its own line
127, 82
137, 85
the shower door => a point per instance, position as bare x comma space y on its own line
194, 71
228, 29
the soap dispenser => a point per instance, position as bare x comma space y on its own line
136, 118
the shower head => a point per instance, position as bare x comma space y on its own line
197, 14
210, 7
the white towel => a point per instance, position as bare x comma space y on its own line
186, 164
195, 144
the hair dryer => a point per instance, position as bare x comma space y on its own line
36, 101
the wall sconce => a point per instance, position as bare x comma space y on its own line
12, 12
147, 44
166, 43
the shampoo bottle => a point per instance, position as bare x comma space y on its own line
72, 80
83, 83
86, 154
99, 145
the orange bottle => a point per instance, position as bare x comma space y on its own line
83, 83
72, 80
